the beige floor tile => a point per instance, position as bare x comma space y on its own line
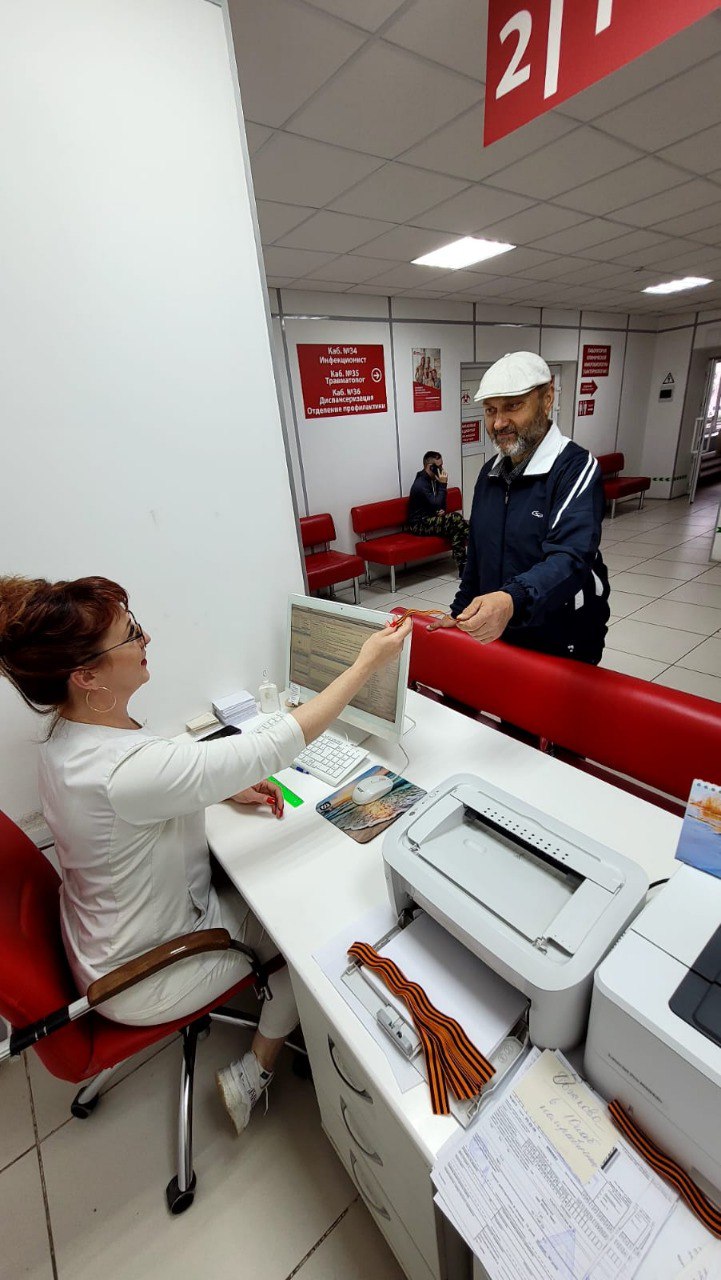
705, 657
643, 584
441, 595
16, 1122
696, 682
263, 1200
712, 576
696, 592
621, 603
631, 664
681, 616
679, 569
686, 554
354, 1250
662, 536
52, 1097
649, 641
617, 561
24, 1247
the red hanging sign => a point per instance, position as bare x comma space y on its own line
342, 379
541, 52
596, 361
586, 408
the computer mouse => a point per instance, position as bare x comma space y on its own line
373, 788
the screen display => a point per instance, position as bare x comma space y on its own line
323, 646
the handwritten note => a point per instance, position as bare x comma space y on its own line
571, 1117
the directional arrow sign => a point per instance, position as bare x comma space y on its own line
589, 388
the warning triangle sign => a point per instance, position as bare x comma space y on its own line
669, 380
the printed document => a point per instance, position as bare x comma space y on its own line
521, 1208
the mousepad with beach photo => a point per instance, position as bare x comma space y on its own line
363, 822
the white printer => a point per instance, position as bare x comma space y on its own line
654, 1036
537, 901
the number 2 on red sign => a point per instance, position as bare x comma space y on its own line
521, 24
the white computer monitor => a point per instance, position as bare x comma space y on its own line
324, 638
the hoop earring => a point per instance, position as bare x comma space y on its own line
100, 711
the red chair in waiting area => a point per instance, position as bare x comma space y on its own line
39, 999
617, 487
327, 568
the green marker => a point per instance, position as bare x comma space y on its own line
289, 796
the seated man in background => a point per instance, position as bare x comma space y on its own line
427, 508
534, 573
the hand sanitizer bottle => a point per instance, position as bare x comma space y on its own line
268, 695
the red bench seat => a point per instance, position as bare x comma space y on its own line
327, 568
617, 487
398, 547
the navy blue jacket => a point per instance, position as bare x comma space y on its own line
427, 498
538, 540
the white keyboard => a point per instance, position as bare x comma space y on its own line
329, 757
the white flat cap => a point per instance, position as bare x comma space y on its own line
513, 375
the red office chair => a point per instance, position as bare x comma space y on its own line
39, 1000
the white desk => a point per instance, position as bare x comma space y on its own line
304, 880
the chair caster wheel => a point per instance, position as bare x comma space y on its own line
179, 1201
81, 1110
301, 1067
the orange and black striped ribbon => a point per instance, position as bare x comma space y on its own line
666, 1168
452, 1061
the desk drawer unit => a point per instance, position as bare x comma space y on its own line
366, 1178
359, 1120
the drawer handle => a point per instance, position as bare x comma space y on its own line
346, 1118
357, 1174
344, 1074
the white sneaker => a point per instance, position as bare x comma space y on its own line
240, 1086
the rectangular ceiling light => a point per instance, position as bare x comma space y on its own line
462, 253
676, 286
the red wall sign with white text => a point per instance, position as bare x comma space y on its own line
342, 379
541, 52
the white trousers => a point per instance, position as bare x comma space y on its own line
191, 984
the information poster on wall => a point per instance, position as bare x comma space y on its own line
342, 379
596, 360
426, 379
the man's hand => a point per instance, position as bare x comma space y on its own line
487, 617
262, 793
442, 477
445, 621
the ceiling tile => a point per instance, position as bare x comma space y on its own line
276, 219
473, 210
575, 239
458, 40
674, 110
681, 52
458, 148
335, 232
311, 48
699, 153
397, 192
633, 242
563, 164
522, 261
371, 14
533, 223
458, 281
292, 262
650, 257
641, 178
350, 269
684, 199
550, 269
256, 134
299, 171
404, 243
385, 101
688, 223
407, 276
279, 282
590, 273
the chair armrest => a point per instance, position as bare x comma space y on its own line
134, 971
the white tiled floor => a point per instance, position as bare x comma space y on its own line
79, 1197
665, 592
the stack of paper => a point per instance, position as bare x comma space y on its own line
236, 708
543, 1185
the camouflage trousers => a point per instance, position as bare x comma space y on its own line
446, 524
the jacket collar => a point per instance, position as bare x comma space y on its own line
540, 463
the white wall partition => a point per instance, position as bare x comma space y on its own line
143, 430
672, 353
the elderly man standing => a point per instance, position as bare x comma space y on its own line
534, 573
